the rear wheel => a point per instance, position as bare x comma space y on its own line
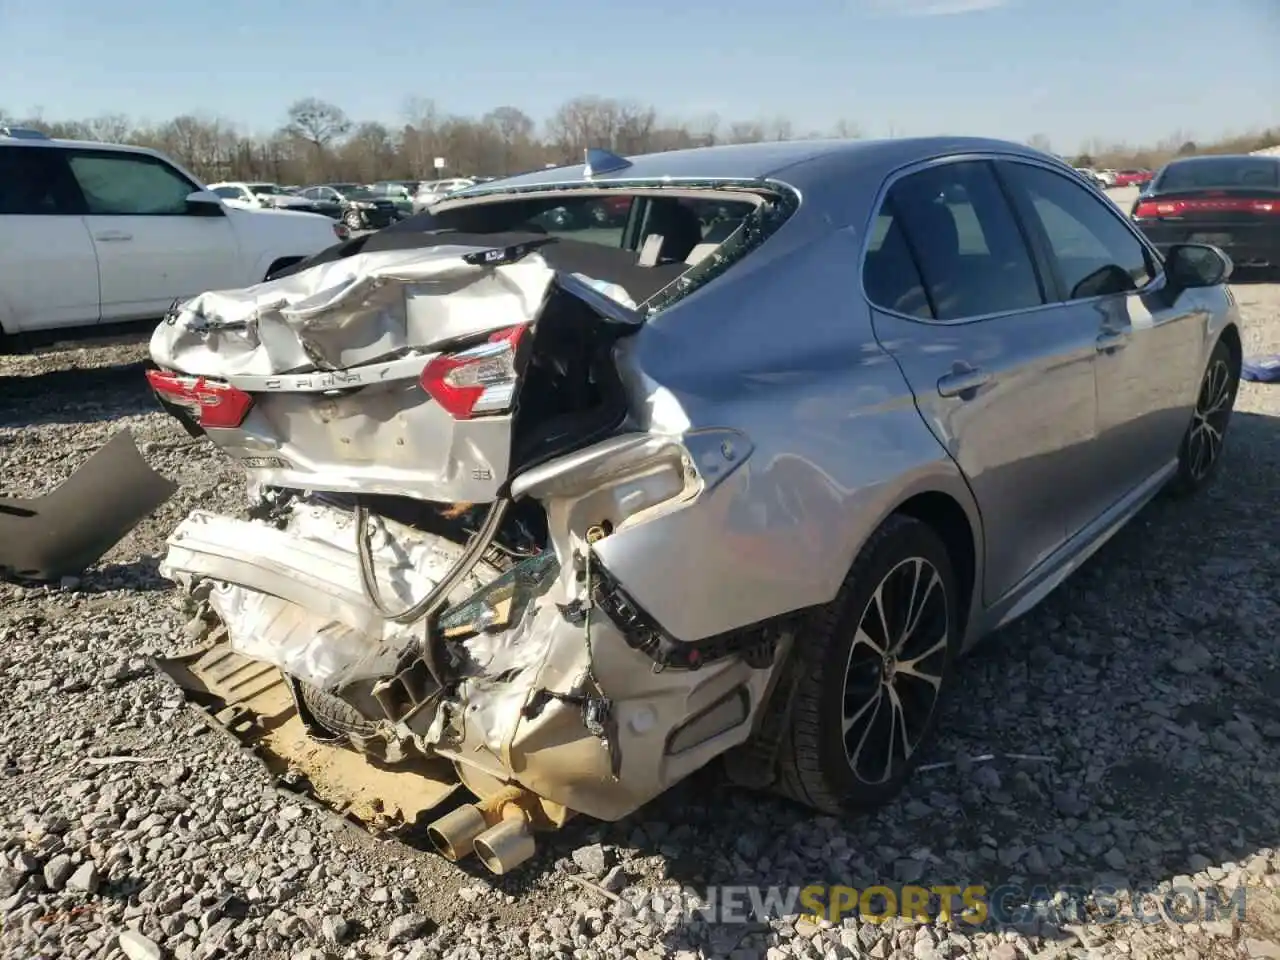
352, 219
1202, 444
871, 669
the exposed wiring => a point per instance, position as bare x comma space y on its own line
438, 594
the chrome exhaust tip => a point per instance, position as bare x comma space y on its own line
506, 845
454, 834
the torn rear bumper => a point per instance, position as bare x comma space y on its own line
551, 693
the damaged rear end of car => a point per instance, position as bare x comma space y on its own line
439, 435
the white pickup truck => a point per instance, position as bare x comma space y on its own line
101, 233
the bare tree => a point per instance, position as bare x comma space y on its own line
845, 129
314, 143
317, 122
112, 128
746, 132
1038, 141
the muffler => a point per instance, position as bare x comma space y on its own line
498, 829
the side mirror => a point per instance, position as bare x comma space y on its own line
1193, 265
204, 203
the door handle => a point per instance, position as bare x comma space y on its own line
963, 383
112, 235
1109, 341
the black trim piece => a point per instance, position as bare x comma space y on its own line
756, 646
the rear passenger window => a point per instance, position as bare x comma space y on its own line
35, 181
951, 248
1095, 252
889, 273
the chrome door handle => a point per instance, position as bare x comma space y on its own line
963, 383
110, 235
1109, 341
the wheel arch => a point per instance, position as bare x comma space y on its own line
1230, 336
280, 263
954, 525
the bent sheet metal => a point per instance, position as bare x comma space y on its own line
63, 532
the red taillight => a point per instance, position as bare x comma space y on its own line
214, 404
1176, 208
479, 380
341, 230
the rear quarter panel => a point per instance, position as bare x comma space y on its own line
780, 348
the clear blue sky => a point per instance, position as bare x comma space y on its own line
1071, 69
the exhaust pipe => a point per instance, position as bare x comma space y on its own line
454, 834
506, 845
498, 829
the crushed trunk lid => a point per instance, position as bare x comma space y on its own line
429, 373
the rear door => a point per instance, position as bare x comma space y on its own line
1149, 348
1003, 377
48, 265
152, 249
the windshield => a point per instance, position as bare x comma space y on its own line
357, 193
268, 188
1221, 172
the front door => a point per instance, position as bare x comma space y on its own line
1003, 377
1149, 345
151, 248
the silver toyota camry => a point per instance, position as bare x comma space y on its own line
556, 508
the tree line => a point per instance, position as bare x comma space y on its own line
318, 142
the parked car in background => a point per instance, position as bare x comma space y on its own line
357, 206
1108, 177
260, 195
431, 191
880, 406
97, 232
399, 192
1133, 178
1231, 202
1091, 177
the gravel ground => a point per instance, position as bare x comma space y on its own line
1146, 693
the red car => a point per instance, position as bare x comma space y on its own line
1133, 178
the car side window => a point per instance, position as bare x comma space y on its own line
35, 182
123, 184
1095, 252
889, 273
955, 223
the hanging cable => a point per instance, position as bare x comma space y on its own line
438, 594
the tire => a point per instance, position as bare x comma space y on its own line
816, 765
1201, 449
335, 714
353, 220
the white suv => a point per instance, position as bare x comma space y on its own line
99, 233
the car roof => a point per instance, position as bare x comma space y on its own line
754, 161
1223, 156
81, 145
